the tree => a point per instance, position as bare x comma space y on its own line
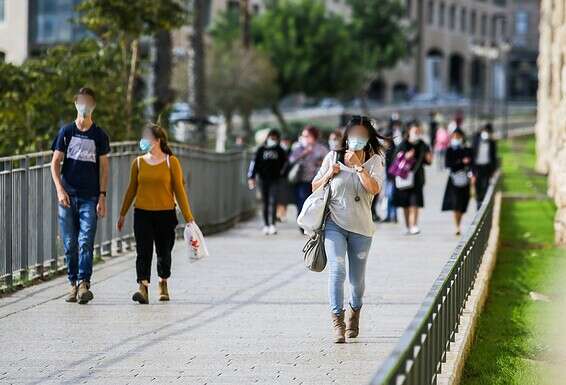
126, 22
381, 34
36, 98
239, 80
311, 49
198, 75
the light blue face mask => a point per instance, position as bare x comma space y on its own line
145, 145
84, 110
356, 143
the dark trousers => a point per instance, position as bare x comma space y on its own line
154, 227
302, 192
483, 175
269, 188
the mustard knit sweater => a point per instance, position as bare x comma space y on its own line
153, 186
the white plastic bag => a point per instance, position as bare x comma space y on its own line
194, 241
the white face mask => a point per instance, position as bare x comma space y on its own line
484, 135
270, 142
414, 137
84, 110
303, 141
456, 142
334, 144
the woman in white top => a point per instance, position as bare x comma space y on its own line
356, 174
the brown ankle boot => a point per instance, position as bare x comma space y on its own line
72, 296
339, 327
142, 295
163, 291
84, 293
353, 322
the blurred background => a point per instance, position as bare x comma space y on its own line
214, 72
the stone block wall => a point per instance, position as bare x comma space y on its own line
551, 117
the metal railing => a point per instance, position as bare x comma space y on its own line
421, 350
29, 241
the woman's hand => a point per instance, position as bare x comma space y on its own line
352, 159
409, 154
120, 223
251, 184
334, 169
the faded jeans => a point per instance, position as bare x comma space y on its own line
77, 224
339, 242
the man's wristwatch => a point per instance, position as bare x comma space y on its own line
359, 169
103, 193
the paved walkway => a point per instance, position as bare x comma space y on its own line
250, 313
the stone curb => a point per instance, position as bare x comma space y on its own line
459, 350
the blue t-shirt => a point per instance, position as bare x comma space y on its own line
80, 174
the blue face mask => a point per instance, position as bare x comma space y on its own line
356, 143
145, 145
456, 142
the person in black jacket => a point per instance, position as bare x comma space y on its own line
268, 164
484, 149
410, 198
459, 161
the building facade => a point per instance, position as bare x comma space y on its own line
551, 112
28, 27
460, 47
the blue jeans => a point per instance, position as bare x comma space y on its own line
337, 243
391, 209
77, 224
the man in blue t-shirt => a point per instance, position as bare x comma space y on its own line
81, 183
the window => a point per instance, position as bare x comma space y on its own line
2, 57
54, 22
493, 27
473, 22
441, 14
452, 17
408, 6
2, 10
463, 19
430, 12
484, 25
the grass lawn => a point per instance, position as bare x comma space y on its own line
509, 347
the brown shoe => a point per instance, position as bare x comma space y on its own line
353, 322
72, 296
84, 294
163, 291
142, 295
339, 327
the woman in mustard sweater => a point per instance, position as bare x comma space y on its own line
156, 179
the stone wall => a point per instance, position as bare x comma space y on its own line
551, 120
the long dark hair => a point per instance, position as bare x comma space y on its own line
159, 132
377, 144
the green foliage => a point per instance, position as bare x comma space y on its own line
112, 19
311, 48
380, 32
36, 98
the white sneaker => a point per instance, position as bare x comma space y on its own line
414, 230
265, 230
272, 230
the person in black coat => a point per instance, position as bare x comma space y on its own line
411, 199
268, 164
484, 149
459, 161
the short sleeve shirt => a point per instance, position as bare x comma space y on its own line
345, 211
81, 167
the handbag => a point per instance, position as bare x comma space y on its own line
401, 166
460, 178
405, 183
294, 173
314, 251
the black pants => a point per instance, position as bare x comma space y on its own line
269, 188
154, 227
483, 175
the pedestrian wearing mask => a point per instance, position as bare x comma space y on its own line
355, 178
457, 193
484, 149
156, 181
335, 140
81, 184
268, 164
409, 196
306, 157
285, 193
